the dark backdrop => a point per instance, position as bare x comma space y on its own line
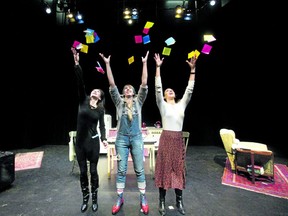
238, 85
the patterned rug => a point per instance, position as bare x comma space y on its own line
29, 160
278, 189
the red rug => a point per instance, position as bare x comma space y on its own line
277, 189
29, 160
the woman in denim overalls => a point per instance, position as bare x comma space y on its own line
129, 135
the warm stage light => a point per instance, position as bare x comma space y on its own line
178, 12
127, 14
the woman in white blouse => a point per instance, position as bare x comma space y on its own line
170, 162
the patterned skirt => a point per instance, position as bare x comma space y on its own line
170, 161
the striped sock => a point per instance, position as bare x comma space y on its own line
120, 191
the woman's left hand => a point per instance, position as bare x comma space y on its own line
105, 143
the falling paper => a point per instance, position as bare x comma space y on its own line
131, 60
170, 41
76, 44
206, 49
148, 25
209, 38
84, 48
96, 37
145, 30
99, 68
89, 39
193, 53
138, 38
146, 39
166, 51
89, 31
79, 46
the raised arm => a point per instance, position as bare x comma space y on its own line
158, 61
108, 69
75, 55
79, 75
144, 70
192, 65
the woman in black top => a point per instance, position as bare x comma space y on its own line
91, 111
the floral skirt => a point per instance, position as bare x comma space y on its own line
170, 161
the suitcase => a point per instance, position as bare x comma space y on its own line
7, 169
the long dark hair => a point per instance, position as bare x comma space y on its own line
101, 103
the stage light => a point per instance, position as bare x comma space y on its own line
47, 8
135, 14
212, 2
188, 14
179, 11
79, 18
127, 14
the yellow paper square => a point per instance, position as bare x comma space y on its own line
89, 39
166, 51
193, 53
131, 60
84, 48
148, 25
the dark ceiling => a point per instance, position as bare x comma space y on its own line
109, 12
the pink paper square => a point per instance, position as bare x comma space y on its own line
138, 38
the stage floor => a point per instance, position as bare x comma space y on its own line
53, 190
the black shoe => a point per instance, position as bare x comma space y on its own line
94, 207
94, 200
84, 205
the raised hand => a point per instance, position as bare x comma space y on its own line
158, 59
105, 59
144, 59
192, 62
75, 55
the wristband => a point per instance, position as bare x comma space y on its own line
192, 73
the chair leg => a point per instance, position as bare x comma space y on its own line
73, 166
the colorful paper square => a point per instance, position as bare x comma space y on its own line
138, 39
131, 60
206, 49
166, 51
146, 39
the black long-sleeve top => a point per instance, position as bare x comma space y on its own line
87, 119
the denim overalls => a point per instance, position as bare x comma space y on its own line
129, 138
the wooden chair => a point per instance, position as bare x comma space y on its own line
186, 136
149, 145
72, 153
257, 165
